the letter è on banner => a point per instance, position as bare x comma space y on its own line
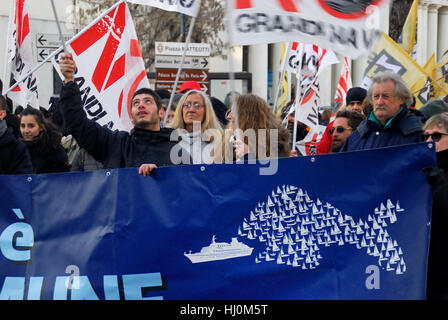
108, 58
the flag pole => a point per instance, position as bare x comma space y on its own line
281, 76
61, 37
232, 75
173, 92
299, 96
7, 66
57, 51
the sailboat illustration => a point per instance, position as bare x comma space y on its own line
299, 225
220, 251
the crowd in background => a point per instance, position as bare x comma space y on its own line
60, 138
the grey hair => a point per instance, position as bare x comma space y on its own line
401, 89
439, 120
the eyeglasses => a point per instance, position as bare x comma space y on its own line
435, 136
196, 105
339, 129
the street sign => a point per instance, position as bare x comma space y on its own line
43, 53
169, 86
168, 57
50, 40
46, 43
174, 62
185, 75
176, 49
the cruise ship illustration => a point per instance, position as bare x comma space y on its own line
220, 251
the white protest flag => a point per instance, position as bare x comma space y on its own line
344, 26
344, 83
19, 57
110, 67
291, 60
188, 7
314, 60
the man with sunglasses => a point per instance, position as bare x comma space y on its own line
343, 126
353, 102
147, 143
391, 122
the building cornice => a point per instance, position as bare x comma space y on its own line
433, 2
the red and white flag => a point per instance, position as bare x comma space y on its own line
188, 7
314, 60
344, 83
291, 57
110, 67
19, 57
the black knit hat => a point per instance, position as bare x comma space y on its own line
355, 94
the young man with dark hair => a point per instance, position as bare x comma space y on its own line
146, 143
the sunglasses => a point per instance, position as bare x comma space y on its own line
338, 129
435, 136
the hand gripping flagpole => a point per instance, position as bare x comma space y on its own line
187, 42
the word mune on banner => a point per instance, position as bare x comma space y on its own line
346, 27
309, 231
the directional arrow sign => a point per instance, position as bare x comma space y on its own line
171, 62
50, 40
204, 63
186, 75
42, 53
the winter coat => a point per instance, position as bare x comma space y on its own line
47, 161
403, 128
114, 149
14, 158
437, 284
198, 151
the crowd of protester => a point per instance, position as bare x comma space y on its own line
203, 129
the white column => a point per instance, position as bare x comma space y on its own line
432, 30
258, 66
422, 27
442, 44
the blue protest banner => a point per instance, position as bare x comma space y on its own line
338, 226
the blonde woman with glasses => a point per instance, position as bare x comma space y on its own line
196, 128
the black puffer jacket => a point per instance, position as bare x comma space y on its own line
115, 149
46, 161
14, 156
437, 284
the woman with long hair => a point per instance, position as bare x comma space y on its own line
198, 128
257, 125
43, 142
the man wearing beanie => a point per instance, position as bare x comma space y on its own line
147, 143
353, 101
391, 122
